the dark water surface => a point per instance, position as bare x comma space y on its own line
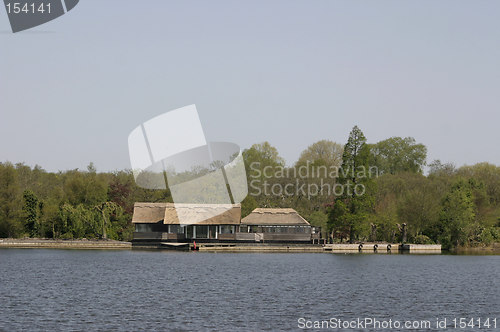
82, 290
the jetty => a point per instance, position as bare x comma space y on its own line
383, 247
365, 248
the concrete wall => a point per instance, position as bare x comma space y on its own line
64, 244
418, 247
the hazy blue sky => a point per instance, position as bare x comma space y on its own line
289, 72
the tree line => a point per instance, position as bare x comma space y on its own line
69, 205
448, 205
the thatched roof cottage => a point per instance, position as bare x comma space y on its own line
277, 224
169, 222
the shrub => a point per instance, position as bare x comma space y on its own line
422, 239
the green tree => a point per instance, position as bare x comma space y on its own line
76, 222
106, 211
437, 168
248, 205
350, 210
262, 161
318, 219
457, 215
486, 173
32, 209
355, 157
385, 217
398, 154
87, 188
10, 202
321, 153
264, 154
419, 204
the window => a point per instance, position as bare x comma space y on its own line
156, 227
189, 231
201, 232
176, 229
226, 229
269, 229
143, 228
212, 232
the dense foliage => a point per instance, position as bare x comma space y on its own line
385, 181
454, 207
68, 205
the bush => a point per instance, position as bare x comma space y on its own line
422, 239
490, 235
67, 236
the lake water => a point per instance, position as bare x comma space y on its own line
81, 290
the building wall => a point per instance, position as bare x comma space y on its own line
222, 233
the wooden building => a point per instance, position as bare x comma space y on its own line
158, 223
277, 225
184, 222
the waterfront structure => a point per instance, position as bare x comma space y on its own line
167, 221
277, 225
205, 223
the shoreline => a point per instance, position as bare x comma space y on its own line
28, 243
37, 243
493, 248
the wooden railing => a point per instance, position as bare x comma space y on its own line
286, 237
245, 236
257, 237
157, 236
227, 236
147, 235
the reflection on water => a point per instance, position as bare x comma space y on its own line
155, 290
477, 251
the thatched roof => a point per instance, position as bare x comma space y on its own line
202, 214
213, 214
274, 217
148, 213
